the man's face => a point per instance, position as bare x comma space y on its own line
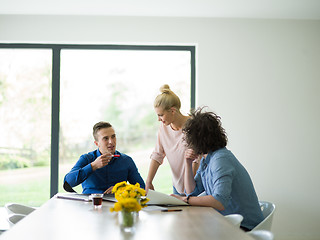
106, 140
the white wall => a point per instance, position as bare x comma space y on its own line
261, 76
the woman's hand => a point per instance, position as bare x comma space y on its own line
149, 185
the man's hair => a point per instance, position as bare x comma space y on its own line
99, 126
203, 132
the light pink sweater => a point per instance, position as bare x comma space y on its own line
170, 144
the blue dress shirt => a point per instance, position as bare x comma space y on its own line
119, 169
221, 175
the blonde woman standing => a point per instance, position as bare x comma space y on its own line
170, 141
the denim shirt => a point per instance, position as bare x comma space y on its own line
221, 175
119, 169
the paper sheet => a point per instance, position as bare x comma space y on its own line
158, 198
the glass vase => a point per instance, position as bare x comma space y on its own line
127, 220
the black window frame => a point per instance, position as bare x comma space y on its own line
55, 104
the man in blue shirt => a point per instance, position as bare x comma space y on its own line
226, 184
98, 171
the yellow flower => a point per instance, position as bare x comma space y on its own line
141, 191
133, 195
130, 204
130, 197
118, 186
143, 202
117, 207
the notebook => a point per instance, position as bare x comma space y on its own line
84, 197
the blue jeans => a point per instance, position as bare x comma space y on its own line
176, 192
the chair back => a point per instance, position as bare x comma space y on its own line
261, 235
15, 218
16, 208
234, 219
267, 209
67, 187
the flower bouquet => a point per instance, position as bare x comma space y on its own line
130, 200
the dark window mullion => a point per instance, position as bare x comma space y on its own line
193, 77
54, 170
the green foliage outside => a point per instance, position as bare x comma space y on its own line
11, 162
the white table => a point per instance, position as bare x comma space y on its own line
70, 219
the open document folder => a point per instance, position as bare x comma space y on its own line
158, 198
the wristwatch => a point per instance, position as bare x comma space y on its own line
188, 199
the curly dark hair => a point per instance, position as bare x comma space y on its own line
203, 132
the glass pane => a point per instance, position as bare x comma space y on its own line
118, 87
25, 125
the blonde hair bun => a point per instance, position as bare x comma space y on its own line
167, 99
165, 88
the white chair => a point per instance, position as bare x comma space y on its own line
261, 235
16, 208
267, 209
15, 218
234, 219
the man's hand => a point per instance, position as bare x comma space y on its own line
101, 161
182, 198
190, 155
108, 191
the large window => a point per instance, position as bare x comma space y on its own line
25, 115
89, 84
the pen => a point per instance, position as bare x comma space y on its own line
73, 198
116, 155
171, 210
